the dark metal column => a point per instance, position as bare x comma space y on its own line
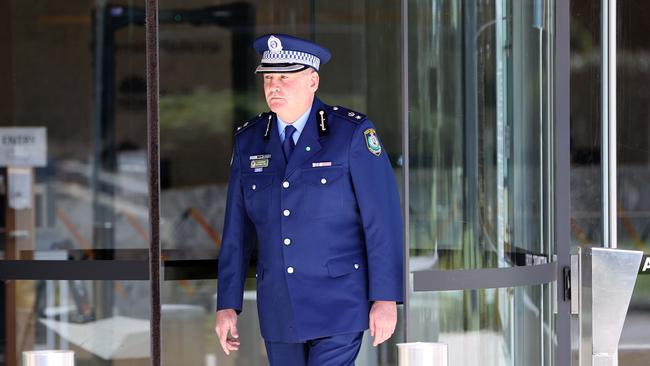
153, 144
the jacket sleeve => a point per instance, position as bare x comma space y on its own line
236, 245
379, 204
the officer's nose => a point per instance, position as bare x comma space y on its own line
274, 86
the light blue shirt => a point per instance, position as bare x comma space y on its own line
299, 124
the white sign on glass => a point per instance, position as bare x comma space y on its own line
23, 146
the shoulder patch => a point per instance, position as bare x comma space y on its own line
250, 122
349, 114
372, 141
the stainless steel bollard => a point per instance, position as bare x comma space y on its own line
48, 358
422, 354
607, 278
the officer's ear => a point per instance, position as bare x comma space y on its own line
314, 80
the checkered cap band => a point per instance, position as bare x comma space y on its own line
290, 57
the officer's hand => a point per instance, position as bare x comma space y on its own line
227, 322
383, 318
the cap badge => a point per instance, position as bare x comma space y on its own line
275, 46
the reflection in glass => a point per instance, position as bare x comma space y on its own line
507, 326
480, 118
76, 70
479, 124
59, 315
79, 73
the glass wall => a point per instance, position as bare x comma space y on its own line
480, 146
73, 136
480, 128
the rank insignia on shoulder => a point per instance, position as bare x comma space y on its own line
348, 114
372, 141
243, 126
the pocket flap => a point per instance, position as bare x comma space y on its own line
343, 265
256, 182
322, 176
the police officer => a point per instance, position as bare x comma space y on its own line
313, 185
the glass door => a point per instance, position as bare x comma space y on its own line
481, 180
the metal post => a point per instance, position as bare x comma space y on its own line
422, 354
153, 150
607, 279
608, 111
48, 358
562, 194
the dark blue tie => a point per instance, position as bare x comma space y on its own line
288, 144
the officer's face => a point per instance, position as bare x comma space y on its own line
289, 95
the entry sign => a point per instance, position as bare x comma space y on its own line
645, 265
23, 146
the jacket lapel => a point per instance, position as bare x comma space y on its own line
274, 146
308, 144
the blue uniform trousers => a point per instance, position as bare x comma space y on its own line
338, 350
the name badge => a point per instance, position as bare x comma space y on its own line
259, 163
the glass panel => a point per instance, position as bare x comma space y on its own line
73, 173
63, 315
208, 88
481, 172
508, 326
480, 133
634, 171
586, 110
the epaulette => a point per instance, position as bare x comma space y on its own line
349, 114
250, 122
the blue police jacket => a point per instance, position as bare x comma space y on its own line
328, 226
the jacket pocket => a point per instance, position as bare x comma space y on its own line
323, 190
257, 195
340, 266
